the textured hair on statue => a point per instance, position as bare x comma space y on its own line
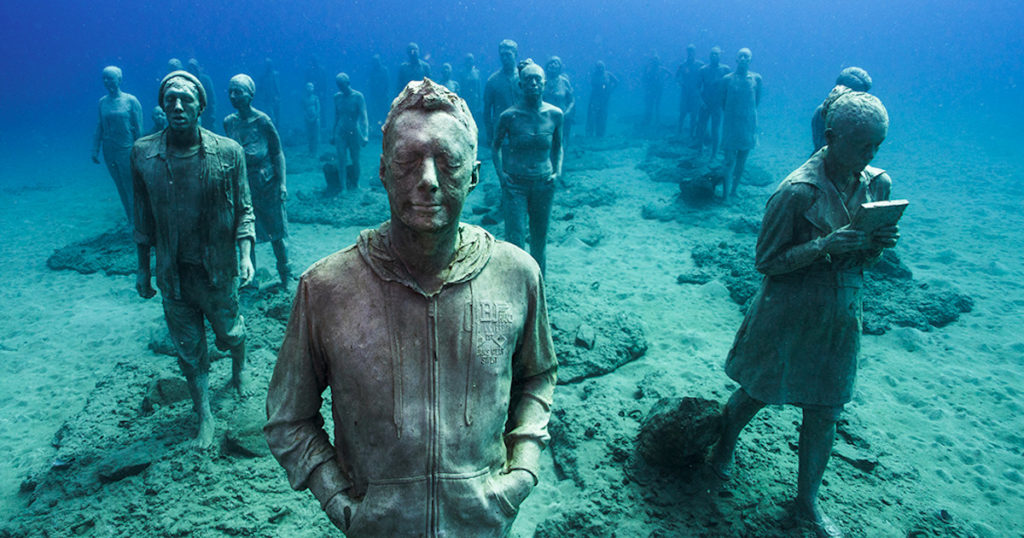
851, 109
430, 96
524, 64
854, 78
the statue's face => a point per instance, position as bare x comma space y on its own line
181, 104
691, 54
508, 57
310, 88
743, 59
531, 80
239, 96
715, 56
555, 66
446, 70
111, 81
413, 52
159, 117
428, 169
343, 83
854, 147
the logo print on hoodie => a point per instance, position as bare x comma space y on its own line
494, 322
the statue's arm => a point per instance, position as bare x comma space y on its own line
136, 119
777, 252
294, 430
534, 375
97, 138
556, 143
362, 121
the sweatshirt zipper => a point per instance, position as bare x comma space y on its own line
434, 448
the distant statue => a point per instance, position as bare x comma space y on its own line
192, 205
559, 91
854, 78
688, 78
315, 74
799, 341
433, 339
653, 81
741, 95
174, 64
502, 89
350, 129
446, 79
209, 117
602, 84
472, 85
311, 115
159, 119
534, 162
378, 96
119, 125
264, 160
270, 91
414, 68
711, 102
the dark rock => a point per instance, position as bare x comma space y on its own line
126, 462
244, 438
585, 336
574, 523
679, 431
620, 339
165, 391
112, 252
855, 457
695, 277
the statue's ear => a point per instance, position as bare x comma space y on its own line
829, 135
475, 178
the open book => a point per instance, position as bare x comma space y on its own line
875, 215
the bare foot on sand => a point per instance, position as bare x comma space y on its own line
240, 384
204, 439
821, 525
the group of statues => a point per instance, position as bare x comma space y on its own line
431, 334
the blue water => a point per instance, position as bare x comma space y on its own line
949, 73
947, 59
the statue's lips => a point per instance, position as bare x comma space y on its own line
426, 208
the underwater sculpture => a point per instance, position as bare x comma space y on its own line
711, 102
209, 117
270, 91
472, 85
532, 163
119, 125
434, 340
559, 92
799, 341
414, 68
159, 120
192, 204
446, 79
602, 84
653, 82
264, 161
741, 95
688, 78
502, 89
378, 93
854, 78
311, 117
350, 131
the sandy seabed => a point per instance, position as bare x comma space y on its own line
930, 446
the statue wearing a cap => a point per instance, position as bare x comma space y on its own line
192, 204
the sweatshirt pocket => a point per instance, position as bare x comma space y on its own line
473, 506
392, 508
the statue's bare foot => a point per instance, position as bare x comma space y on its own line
204, 439
816, 521
240, 384
721, 463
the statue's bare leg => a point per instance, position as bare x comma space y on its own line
816, 436
199, 388
738, 412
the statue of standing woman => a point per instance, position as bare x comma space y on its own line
264, 161
120, 124
741, 93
